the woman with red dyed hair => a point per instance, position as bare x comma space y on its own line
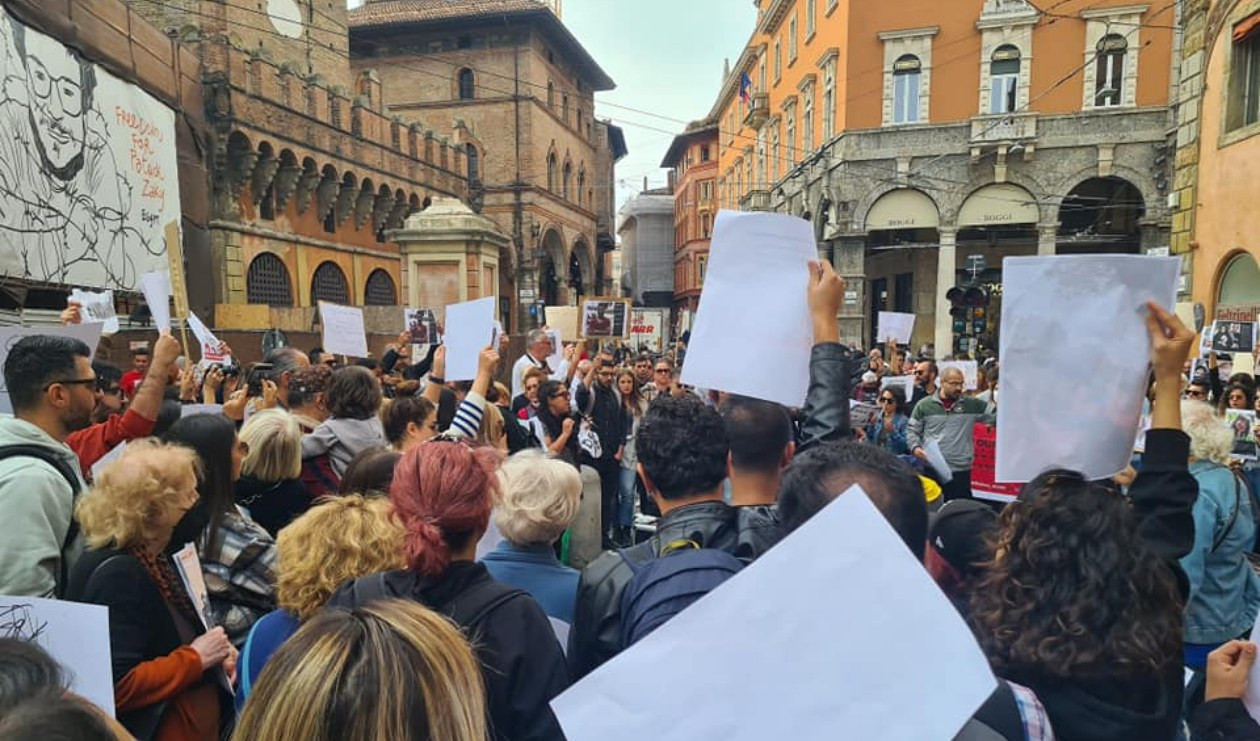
442, 494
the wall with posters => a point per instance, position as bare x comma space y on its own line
105, 129
88, 172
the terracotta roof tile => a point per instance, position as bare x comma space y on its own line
380, 12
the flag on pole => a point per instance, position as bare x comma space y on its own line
745, 88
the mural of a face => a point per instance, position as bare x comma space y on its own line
58, 103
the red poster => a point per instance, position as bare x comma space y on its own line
983, 485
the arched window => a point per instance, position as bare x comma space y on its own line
474, 164
329, 284
551, 172
1004, 76
379, 290
1109, 71
267, 281
581, 183
568, 179
467, 86
906, 77
551, 95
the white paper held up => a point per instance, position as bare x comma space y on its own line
97, 307
156, 288
896, 326
73, 633
343, 332
469, 330
89, 334
1058, 312
563, 318
1251, 699
103, 462
936, 459
556, 358
754, 299
800, 643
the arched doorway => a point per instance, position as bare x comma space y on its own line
1101, 215
551, 262
581, 274
898, 225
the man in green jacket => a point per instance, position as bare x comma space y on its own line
948, 417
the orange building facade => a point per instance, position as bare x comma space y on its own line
693, 161
1218, 157
927, 141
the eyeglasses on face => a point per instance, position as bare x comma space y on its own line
887, 400
73, 382
561, 394
662, 370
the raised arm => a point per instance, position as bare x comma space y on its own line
825, 416
437, 377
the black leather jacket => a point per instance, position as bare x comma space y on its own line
745, 532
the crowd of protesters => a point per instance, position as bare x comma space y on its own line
384, 553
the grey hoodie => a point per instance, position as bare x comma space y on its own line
36, 509
343, 439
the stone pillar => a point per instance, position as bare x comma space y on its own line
848, 257
447, 244
1047, 239
946, 272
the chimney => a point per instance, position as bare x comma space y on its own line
645, 182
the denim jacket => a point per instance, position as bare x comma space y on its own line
895, 441
1224, 591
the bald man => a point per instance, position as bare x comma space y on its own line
947, 417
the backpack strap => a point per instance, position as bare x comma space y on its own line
20, 450
471, 607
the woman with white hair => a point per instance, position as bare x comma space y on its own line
1224, 591
270, 487
539, 500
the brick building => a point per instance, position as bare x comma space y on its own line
518, 90
927, 141
693, 162
308, 173
1218, 152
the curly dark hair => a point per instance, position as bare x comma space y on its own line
1074, 591
682, 446
354, 393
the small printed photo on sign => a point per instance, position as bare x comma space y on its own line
423, 327
1242, 422
1230, 336
605, 317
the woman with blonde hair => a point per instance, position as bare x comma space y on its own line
165, 686
270, 488
390, 670
337, 540
1224, 591
538, 500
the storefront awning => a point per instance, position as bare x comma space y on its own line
999, 204
903, 209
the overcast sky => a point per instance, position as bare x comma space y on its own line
666, 58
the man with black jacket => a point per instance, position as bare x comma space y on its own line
682, 449
597, 400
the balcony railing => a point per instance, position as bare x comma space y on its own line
758, 111
1004, 128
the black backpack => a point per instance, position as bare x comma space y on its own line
668, 584
21, 450
467, 609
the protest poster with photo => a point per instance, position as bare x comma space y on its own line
97, 307
862, 414
1231, 336
1243, 424
605, 318
422, 325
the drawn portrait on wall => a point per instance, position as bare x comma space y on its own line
88, 177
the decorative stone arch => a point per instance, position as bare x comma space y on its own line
344, 204
239, 160
878, 197
999, 205
1143, 181
286, 179
364, 203
265, 169
552, 262
951, 199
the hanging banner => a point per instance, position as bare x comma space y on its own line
88, 179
